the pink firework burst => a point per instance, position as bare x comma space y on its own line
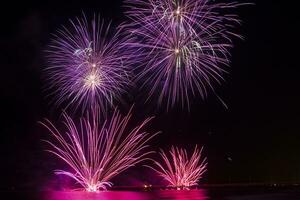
184, 43
180, 170
96, 153
88, 64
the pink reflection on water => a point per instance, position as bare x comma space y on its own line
128, 195
197, 194
110, 195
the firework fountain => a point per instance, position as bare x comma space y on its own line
180, 170
87, 67
184, 43
98, 152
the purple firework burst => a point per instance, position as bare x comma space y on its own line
86, 67
184, 43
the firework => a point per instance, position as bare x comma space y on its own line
96, 154
180, 170
88, 64
184, 43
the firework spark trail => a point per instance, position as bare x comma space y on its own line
88, 64
184, 43
180, 170
97, 153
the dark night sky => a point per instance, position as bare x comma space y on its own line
259, 131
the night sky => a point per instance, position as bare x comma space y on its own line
257, 139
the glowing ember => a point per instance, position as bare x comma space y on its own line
96, 154
178, 11
92, 81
